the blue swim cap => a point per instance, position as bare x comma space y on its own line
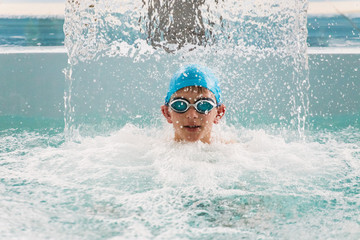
194, 75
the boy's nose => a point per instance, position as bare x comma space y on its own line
191, 113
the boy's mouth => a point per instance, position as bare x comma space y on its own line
192, 127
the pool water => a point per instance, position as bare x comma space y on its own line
335, 31
31, 32
136, 183
109, 169
323, 31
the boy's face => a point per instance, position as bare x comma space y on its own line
191, 125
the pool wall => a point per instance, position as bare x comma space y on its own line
32, 83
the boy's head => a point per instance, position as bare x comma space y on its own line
193, 103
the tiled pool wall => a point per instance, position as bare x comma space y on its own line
32, 83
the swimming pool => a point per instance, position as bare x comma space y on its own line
323, 31
132, 181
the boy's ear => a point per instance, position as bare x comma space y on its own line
166, 113
220, 113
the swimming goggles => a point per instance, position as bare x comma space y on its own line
203, 105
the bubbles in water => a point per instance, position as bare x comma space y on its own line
137, 183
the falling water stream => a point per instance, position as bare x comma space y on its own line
122, 55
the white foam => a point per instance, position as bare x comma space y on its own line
148, 187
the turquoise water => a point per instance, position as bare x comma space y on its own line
31, 32
323, 31
115, 173
135, 183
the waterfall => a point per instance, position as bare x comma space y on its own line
123, 53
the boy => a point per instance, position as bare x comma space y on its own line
193, 104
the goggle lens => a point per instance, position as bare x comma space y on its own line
202, 106
179, 106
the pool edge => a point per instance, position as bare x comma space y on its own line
62, 49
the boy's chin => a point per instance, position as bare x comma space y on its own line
192, 139
195, 138
187, 138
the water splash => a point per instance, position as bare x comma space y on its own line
122, 55
135, 183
